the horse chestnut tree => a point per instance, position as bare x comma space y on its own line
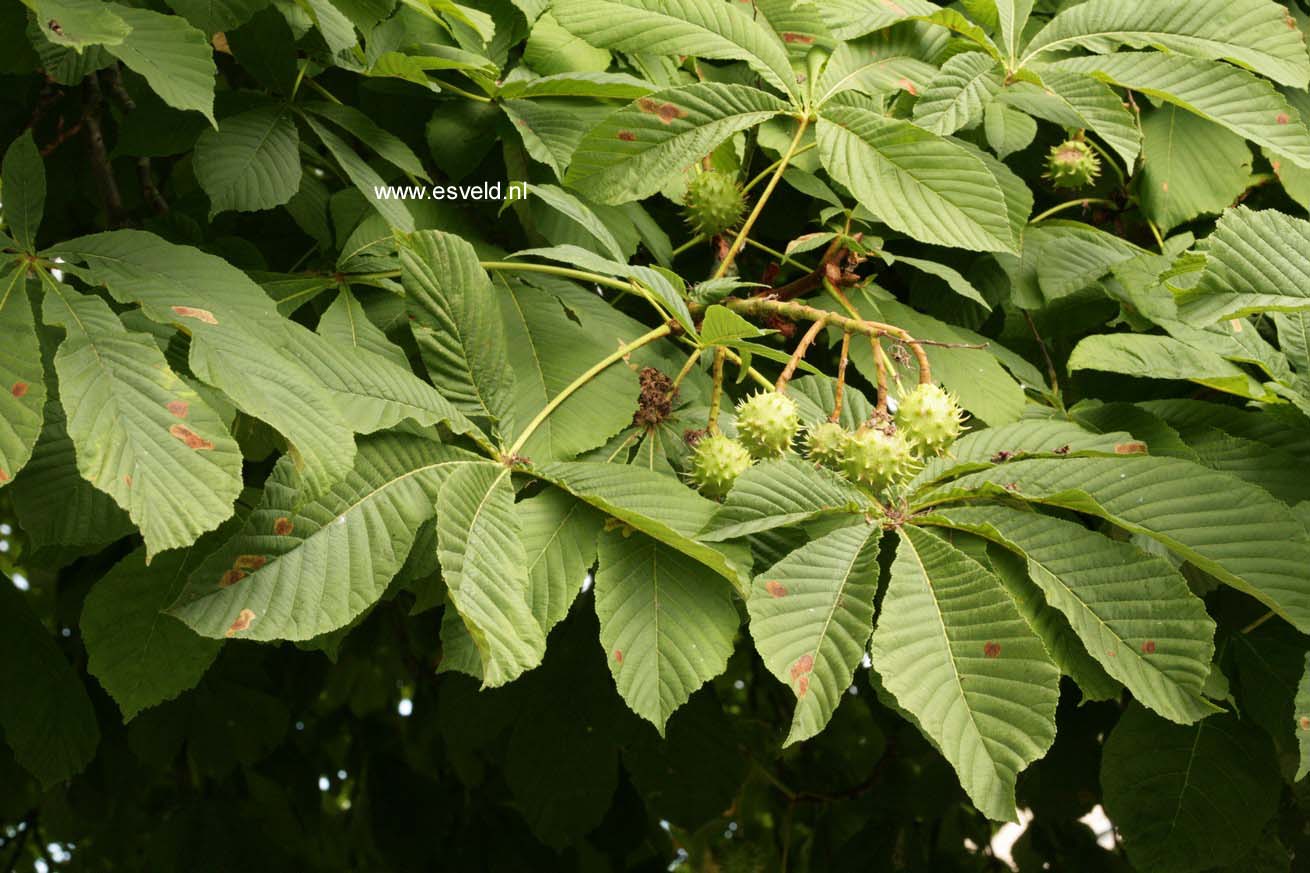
787, 435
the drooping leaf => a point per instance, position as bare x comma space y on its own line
299, 568
954, 651
1163, 357
811, 615
47, 718
139, 654
559, 534
667, 623
1133, 612
174, 57
1191, 797
22, 376
1235, 531
143, 436
483, 561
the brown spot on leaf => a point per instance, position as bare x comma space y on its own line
1236, 324
127, 480
907, 85
19, 389
1304, 722
192, 439
243, 621
991, 649
179, 408
230, 578
802, 687
1148, 647
803, 665
667, 113
249, 562
1283, 118
1111, 653
198, 314
1133, 448
618, 656
4, 477
894, 6
282, 526
776, 588
1164, 186
627, 136
797, 38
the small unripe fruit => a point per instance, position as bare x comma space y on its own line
716, 463
824, 443
878, 459
929, 419
1072, 164
766, 423
714, 202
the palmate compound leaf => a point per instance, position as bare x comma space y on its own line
1188, 798
22, 377
916, 182
1258, 34
142, 656
633, 152
667, 623
303, 566
484, 564
1132, 611
953, 650
1232, 530
811, 615
314, 392
720, 31
143, 436
47, 719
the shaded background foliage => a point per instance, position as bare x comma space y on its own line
352, 749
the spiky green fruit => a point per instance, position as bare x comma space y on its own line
878, 459
1072, 164
766, 423
714, 202
716, 463
929, 419
824, 443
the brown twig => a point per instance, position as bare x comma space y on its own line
92, 102
149, 191
840, 391
801, 348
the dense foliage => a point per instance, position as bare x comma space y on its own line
728, 435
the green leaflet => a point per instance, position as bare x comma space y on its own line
250, 162
313, 392
667, 623
915, 181
681, 27
141, 656
23, 184
1188, 797
47, 718
81, 23
559, 534
1301, 708
958, 94
22, 376
1163, 357
364, 178
782, 493
1077, 100
174, 57
634, 152
212, 16
484, 565
811, 615
456, 322
1232, 530
954, 651
143, 436
1191, 167
849, 19
1256, 262
1253, 33
1132, 611
302, 566
656, 504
